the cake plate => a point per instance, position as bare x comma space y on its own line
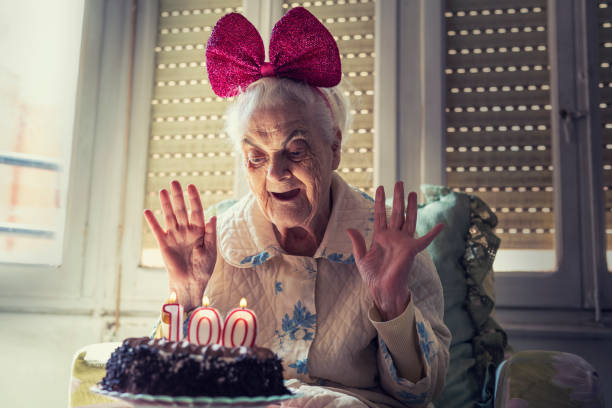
154, 401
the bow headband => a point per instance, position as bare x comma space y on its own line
301, 48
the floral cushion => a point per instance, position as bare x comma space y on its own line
531, 379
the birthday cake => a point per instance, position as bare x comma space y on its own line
161, 367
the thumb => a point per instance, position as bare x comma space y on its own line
426, 239
359, 245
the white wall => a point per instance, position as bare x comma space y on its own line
36, 356
37, 351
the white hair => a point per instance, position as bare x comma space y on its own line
273, 92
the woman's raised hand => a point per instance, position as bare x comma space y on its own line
385, 267
188, 245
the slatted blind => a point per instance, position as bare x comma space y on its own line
351, 22
498, 114
187, 141
604, 14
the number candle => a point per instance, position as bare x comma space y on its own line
166, 316
175, 312
204, 325
240, 327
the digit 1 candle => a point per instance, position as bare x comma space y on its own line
175, 312
240, 327
204, 325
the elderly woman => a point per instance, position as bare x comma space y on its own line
346, 296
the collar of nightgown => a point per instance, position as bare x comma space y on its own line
246, 238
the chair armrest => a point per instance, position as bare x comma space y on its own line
547, 379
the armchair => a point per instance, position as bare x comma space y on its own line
484, 371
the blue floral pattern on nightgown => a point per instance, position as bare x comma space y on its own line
301, 366
340, 258
299, 326
424, 342
256, 259
409, 398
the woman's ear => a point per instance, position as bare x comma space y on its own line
336, 149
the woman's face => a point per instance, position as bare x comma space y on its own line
289, 165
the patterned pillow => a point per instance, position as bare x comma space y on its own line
463, 254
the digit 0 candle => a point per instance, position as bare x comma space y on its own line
240, 327
174, 314
205, 325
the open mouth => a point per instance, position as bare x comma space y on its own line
287, 195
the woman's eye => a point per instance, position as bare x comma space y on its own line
296, 154
256, 161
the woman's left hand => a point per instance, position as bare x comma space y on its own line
385, 267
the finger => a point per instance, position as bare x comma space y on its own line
164, 198
359, 245
380, 214
210, 238
426, 239
397, 215
157, 230
197, 212
178, 202
411, 214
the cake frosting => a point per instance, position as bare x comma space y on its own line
161, 367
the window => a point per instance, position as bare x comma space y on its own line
36, 118
187, 141
604, 40
182, 45
498, 141
61, 53
521, 135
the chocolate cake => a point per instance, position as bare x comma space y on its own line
160, 367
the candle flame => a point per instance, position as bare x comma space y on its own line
205, 301
172, 298
243, 303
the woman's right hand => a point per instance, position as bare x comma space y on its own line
188, 246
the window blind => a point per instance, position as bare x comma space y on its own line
186, 141
498, 114
351, 22
604, 14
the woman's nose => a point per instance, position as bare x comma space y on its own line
278, 168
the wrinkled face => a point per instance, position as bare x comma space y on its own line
289, 165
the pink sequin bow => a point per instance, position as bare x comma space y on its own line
301, 48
